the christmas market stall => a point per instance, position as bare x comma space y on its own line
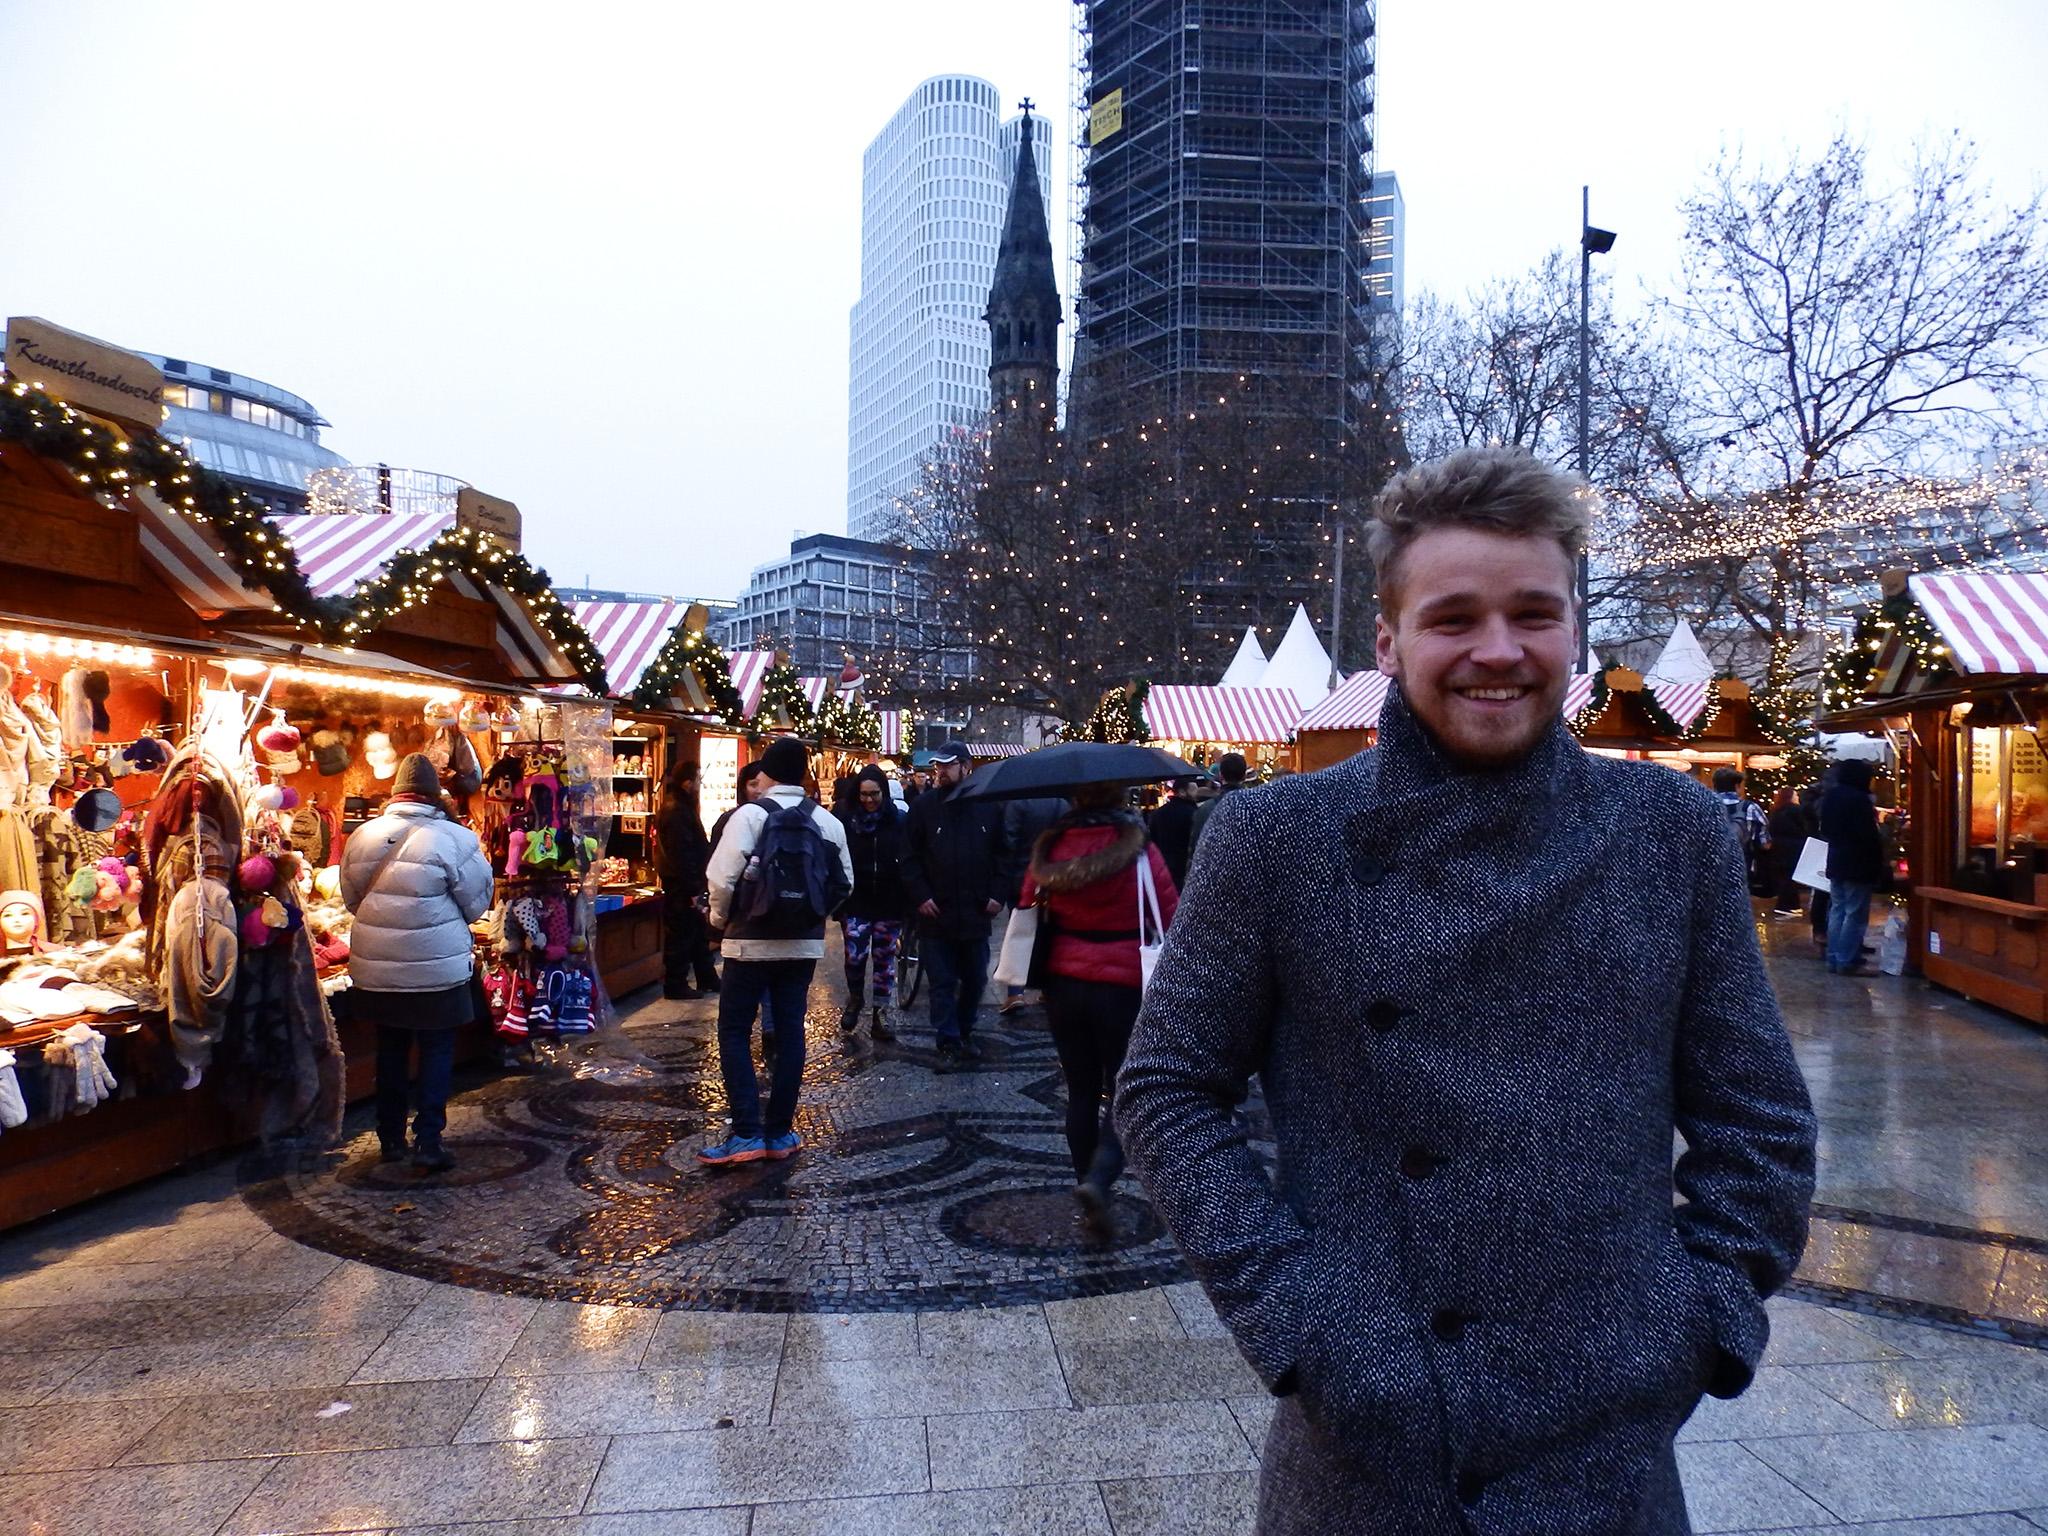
1954, 668
1345, 723
1202, 723
159, 994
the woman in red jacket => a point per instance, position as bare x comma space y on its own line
1083, 879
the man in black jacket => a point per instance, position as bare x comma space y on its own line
1848, 825
1173, 830
953, 869
681, 852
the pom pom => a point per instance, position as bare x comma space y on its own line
258, 873
84, 886
267, 797
106, 895
290, 798
255, 932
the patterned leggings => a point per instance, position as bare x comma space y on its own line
879, 936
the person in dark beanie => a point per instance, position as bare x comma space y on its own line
682, 853
1484, 977
1231, 771
1848, 825
954, 869
1173, 830
779, 871
415, 878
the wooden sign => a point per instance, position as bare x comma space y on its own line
488, 514
86, 374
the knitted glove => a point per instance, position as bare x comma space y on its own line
555, 924
93, 1083
531, 922
13, 1108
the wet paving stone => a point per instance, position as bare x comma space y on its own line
914, 1191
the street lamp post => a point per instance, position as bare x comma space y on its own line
1592, 242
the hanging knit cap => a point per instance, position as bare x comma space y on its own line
785, 761
416, 778
97, 687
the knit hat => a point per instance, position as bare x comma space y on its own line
785, 761
416, 777
97, 688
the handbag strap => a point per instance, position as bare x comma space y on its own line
1148, 904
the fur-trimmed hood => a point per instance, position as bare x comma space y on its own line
1104, 862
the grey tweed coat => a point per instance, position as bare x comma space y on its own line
1480, 1003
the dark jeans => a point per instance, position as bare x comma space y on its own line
685, 944
1091, 1027
956, 970
780, 985
1848, 917
394, 1071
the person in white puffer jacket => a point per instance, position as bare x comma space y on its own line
415, 878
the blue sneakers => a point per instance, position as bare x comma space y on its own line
736, 1149
788, 1144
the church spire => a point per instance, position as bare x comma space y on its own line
1024, 301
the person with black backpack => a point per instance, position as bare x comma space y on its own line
1752, 831
779, 871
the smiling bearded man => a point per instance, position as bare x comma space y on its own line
1483, 976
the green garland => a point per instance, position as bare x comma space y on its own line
782, 692
1846, 676
109, 464
848, 722
687, 650
1120, 717
409, 578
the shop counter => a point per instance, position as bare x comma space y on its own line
629, 939
1986, 948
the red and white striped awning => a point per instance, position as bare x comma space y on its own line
1578, 693
750, 671
629, 635
195, 570
990, 750
1684, 702
1251, 716
1995, 622
1355, 706
892, 731
339, 551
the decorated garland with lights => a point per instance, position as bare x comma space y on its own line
685, 651
848, 723
1119, 718
110, 464
1846, 677
783, 699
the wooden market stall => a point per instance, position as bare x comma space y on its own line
1201, 723
1958, 677
1348, 721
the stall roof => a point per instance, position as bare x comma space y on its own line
339, 551
1683, 702
750, 671
1178, 712
1353, 707
349, 658
629, 635
893, 744
195, 570
1995, 622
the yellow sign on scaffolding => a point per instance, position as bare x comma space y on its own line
1106, 117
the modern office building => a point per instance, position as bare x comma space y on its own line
1386, 291
836, 597
265, 439
1227, 215
933, 186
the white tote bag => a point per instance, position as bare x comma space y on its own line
1151, 931
1013, 965
1812, 869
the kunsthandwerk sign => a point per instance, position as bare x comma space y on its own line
84, 372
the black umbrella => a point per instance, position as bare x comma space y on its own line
1066, 767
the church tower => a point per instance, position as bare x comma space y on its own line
1024, 303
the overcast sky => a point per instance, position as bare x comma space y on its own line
598, 258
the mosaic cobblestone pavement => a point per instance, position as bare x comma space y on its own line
914, 1189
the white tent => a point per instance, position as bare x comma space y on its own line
1683, 660
1300, 664
1248, 665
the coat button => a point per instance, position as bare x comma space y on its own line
1420, 1162
1371, 871
1383, 1015
1448, 1324
1470, 1487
